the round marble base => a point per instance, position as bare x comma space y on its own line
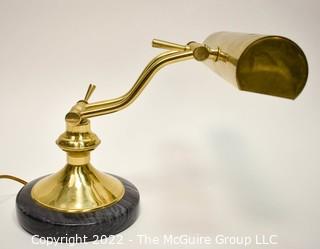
80, 227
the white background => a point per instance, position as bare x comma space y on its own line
207, 159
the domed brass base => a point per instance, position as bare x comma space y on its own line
55, 225
78, 187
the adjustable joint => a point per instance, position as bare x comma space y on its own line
175, 53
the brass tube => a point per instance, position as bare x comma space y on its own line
114, 105
102, 103
156, 43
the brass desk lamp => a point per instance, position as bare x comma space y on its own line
80, 201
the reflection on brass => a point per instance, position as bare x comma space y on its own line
78, 187
271, 65
176, 53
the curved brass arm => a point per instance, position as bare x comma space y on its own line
83, 110
113, 105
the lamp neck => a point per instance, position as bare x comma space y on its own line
78, 141
78, 158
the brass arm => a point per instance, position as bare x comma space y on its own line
84, 110
113, 105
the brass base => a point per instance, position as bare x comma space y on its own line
63, 227
78, 187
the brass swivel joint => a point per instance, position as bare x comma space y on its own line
176, 53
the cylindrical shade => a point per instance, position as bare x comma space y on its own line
266, 64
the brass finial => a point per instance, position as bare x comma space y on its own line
156, 43
90, 90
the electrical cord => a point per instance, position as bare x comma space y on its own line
14, 178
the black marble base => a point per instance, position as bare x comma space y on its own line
87, 226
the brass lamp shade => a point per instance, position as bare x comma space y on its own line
272, 65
